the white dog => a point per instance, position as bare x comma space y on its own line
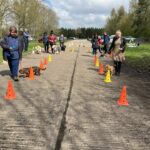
37, 50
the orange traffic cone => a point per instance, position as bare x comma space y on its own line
45, 61
31, 74
10, 94
123, 100
101, 69
41, 65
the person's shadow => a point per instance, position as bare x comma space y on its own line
5, 73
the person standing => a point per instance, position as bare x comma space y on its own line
21, 46
95, 44
26, 36
117, 48
12, 51
106, 42
52, 41
99, 44
45, 42
61, 40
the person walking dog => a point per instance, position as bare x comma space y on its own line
52, 41
12, 51
117, 48
45, 42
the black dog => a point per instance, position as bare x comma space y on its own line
25, 71
63, 47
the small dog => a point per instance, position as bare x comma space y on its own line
111, 69
25, 71
37, 50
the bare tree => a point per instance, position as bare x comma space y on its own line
34, 15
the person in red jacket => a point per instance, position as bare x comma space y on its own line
52, 41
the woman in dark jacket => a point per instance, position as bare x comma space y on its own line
95, 44
12, 51
117, 48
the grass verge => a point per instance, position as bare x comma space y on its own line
139, 57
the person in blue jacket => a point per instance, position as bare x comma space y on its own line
12, 51
26, 36
106, 42
45, 42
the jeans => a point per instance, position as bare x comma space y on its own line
94, 51
26, 44
46, 47
13, 66
106, 48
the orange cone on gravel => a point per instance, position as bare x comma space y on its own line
45, 61
95, 58
41, 65
10, 94
31, 74
101, 69
123, 97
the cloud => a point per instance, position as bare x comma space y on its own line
84, 13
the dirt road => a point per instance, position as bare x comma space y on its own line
69, 107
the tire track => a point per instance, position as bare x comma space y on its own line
62, 128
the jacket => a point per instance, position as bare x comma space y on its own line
94, 43
45, 39
118, 47
123, 44
106, 39
52, 39
11, 47
26, 36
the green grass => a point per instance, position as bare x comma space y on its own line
139, 56
31, 45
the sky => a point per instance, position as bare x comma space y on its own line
84, 13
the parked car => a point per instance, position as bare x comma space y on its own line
129, 38
73, 38
111, 38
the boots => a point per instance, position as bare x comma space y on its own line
117, 65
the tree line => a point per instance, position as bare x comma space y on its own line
81, 32
135, 22
30, 14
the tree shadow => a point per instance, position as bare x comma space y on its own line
93, 69
87, 55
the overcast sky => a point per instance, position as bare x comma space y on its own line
84, 13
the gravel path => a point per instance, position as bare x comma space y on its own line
69, 107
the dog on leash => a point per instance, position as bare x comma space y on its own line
111, 69
24, 72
